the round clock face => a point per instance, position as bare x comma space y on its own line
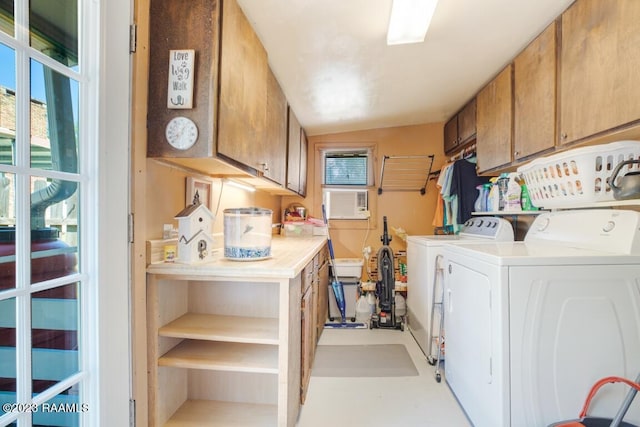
181, 133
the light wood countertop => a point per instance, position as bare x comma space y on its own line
289, 256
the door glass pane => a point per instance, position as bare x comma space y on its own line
54, 228
7, 104
7, 351
62, 410
54, 336
6, 16
7, 231
54, 120
53, 26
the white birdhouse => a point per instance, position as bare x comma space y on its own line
195, 242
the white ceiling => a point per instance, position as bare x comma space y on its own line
332, 61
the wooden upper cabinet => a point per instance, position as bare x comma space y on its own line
534, 121
451, 134
461, 128
275, 167
168, 19
467, 122
243, 90
599, 67
293, 153
494, 122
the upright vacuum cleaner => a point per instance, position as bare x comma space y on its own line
385, 287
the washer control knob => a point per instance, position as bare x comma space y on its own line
610, 225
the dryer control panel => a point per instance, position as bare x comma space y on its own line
488, 227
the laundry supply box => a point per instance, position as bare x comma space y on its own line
348, 267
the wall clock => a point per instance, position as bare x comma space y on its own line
181, 133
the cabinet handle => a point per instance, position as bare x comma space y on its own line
265, 166
564, 135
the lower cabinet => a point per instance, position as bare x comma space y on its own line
223, 351
314, 309
308, 341
322, 299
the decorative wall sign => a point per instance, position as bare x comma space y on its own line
180, 93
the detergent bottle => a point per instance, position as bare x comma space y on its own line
493, 198
480, 204
513, 193
525, 198
363, 310
371, 301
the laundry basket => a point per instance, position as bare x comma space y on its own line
585, 421
577, 176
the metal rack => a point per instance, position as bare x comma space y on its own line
405, 173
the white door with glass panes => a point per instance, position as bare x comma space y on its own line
58, 139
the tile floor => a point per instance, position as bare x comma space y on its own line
386, 402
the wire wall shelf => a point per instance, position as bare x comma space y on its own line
405, 173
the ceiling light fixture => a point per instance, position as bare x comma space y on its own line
409, 21
240, 185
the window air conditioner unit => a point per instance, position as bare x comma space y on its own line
342, 203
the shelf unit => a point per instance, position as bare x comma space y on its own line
225, 337
595, 205
507, 213
208, 361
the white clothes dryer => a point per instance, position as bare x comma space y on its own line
422, 252
532, 325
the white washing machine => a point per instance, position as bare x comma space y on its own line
532, 325
421, 261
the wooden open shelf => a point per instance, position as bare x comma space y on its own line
214, 327
208, 413
222, 356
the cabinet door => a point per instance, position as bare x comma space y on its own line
599, 66
168, 18
243, 90
307, 342
293, 153
451, 134
322, 303
275, 164
467, 122
534, 119
495, 116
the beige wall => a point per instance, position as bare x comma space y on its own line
166, 196
407, 209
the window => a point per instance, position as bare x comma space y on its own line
347, 172
347, 168
46, 284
